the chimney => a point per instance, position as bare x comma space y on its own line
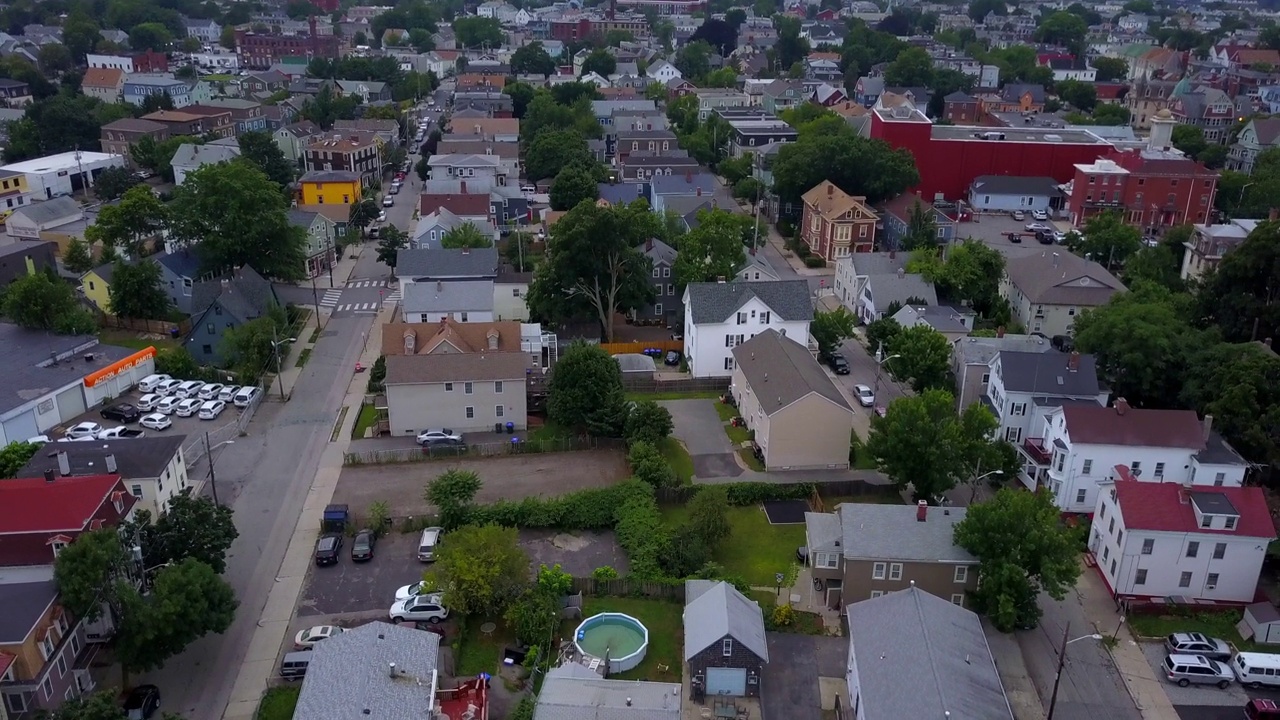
392, 669
49, 476
922, 510
1208, 427
1073, 362
831, 190
648, 245
699, 192
462, 188
64, 463
1121, 406
1000, 331
439, 286
410, 342
111, 463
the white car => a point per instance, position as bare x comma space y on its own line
210, 391
422, 608
409, 591
211, 409
246, 395
228, 392
388, 201
148, 402
168, 405
149, 383
187, 407
189, 389
307, 639
83, 430
866, 398
1038, 227
382, 216
166, 387
1039, 215
427, 436
156, 421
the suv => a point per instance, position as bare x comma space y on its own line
328, 548
838, 364
1198, 644
428, 543
429, 608
1187, 669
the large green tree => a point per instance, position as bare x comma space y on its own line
482, 569
261, 149
235, 215
585, 392
601, 62
60, 123
129, 224
924, 358
553, 149
191, 527
14, 456
390, 242
39, 302
250, 347
1023, 549
532, 59
712, 250
831, 328
1239, 385
856, 165
912, 68
572, 186
478, 32
1241, 298
137, 291
1107, 240
453, 494
466, 235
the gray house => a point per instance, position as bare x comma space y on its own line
667, 305
178, 274
971, 359
225, 303
724, 640
374, 670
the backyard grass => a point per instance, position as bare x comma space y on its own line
1219, 624
755, 550
664, 621
479, 653
726, 412
802, 623
860, 457
737, 434
547, 432
303, 357
749, 458
278, 703
367, 417
690, 395
134, 340
678, 458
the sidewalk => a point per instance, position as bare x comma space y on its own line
1018, 687
1144, 687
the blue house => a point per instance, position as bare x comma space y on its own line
896, 217
699, 184
222, 304
138, 86
178, 274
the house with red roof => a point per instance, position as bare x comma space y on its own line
1196, 543
45, 650
1072, 449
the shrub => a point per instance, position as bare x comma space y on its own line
554, 581
687, 552
379, 517
534, 617
647, 422
377, 374
591, 509
647, 464
740, 494
642, 536
604, 572
814, 261
523, 711
708, 516
782, 616
452, 494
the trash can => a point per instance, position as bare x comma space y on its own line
497, 427
511, 428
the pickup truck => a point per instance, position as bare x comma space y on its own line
120, 433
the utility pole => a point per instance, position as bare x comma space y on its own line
333, 258
275, 346
213, 479
1062, 661
315, 297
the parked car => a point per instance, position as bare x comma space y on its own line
121, 412
1037, 227
428, 543
142, 702
444, 446
307, 639
866, 398
188, 389
148, 402
168, 404
422, 608
838, 364
1019, 215
362, 546
187, 408
672, 358
84, 429
247, 395
327, 549
167, 387
150, 382
210, 391
442, 434
409, 591
156, 421
1195, 643
1039, 215
1186, 670
388, 201
382, 216
211, 409
1015, 237
120, 433
228, 393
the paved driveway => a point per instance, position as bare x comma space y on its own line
698, 426
790, 682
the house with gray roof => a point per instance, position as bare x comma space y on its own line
953, 322
153, 468
800, 418
1009, 193
574, 692
179, 272
882, 293
191, 157
719, 316
459, 301
1025, 387
913, 655
692, 183
377, 670
971, 359
29, 221
862, 551
1049, 289
222, 304
724, 640
666, 306
433, 226
369, 91
756, 268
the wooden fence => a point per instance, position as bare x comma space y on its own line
155, 327
683, 385
682, 494
496, 449
629, 587
640, 346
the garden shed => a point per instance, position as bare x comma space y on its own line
1261, 624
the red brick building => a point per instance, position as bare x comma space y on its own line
962, 108
835, 224
261, 51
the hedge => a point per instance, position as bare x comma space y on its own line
591, 509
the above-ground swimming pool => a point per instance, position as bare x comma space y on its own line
621, 639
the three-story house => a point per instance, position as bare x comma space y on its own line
719, 316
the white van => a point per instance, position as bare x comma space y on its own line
1256, 669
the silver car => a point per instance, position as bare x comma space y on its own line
1194, 643
1187, 670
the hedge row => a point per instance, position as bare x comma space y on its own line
591, 509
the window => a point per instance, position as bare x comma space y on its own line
1148, 546
895, 571
62, 666
210, 329
671, 289
1185, 580
1219, 550
464, 317
876, 593
75, 646
1193, 549
208, 349
726, 647
1120, 538
830, 561
957, 599
1111, 528
467, 388
1113, 567
877, 571
497, 410
657, 309
1159, 469
1080, 494
448, 387
1088, 467
1206, 521
471, 412
1140, 577
986, 377
15, 702
742, 319
1211, 580
46, 647
1231, 522
729, 364
962, 574
1219, 479
136, 490
1135, 467
46, 687
57, 548
666, 272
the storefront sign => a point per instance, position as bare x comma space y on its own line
105, 374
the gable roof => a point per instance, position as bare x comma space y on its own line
1134, 427
183, 263
465, 337
59, 208
796, 374
895, 532
716, 302
718, 611
1062, 279
348, 676
102, 77
446, 263
919, 656
462, 204
982, 350
454, 296
244, 294
190, 154
1170, 507
145, 457
689, 183
831, 202
888, 288
34, 505
456, 367
1049, 373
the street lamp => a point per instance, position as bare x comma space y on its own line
879, 363
973, 494
208, 451
275, 346
1062, 660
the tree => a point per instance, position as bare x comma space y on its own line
1023, 549
1110, 114
80, 33
187, 601
362, 214
921, 443
601, 62
572, 185
648, 465
1160, 264
979, 9
532, 59
552, 150
77, 258
60, 123
924, 358
37, 302
137, 291
693, 59
647, 421
466, 235
157, 156
534, 618
831, 328
708, 515
1241, 296
1239, 385
475, 32
519, 252
970, 274
261, 149
453, 496
1110, 68
736, 169
191, 527
912, 68
54, 59
129, 224
102, 705
585, 392
15, 455
390, 242
1082, 96
227, 38
150, 36
593, 267
856, 165
1063, 28
1107, 240
482, 569
235, 215
922, 228
1189, 139
113, 182
713, 249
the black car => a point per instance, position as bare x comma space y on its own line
362, 547
1015, 237
328, 548
838, 364
672, 359
444, 446
142, 702
124, 412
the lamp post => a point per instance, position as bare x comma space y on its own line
1062, 661
879, 364
973, 493
213, 478
275, 347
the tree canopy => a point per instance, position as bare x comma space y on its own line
856, 165
466, 235
482, 569
586, 391
137, 291
714, 249
39, 302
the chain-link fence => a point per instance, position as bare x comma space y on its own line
198, 445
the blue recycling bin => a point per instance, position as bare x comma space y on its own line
511, 428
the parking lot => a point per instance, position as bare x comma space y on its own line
189, 426
993, 229
1195, 695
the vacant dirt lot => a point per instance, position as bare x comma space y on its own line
505, 478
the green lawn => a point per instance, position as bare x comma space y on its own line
367, 417
737, 434
691, 395
754, 550
663, 620
862, 459
1219, 624
303, 357
804, 623
479, 653
726, 412
678, 458
278, 702
135, 340
749, 458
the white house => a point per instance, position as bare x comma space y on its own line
719, 316
869, 283
1158, 540
190, 157
1078, 445
663, 72
153, 468
1024, 386
510, 293
454, 167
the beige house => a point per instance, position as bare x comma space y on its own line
105, 84
800, 419
461, 391
1048, 290
862, 551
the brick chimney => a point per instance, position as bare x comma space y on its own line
648, 245
1121, 406
688, 176
922, 511
831, 190
1073, 362
1000, 331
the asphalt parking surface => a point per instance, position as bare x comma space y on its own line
992, 230
1233, 696
789, 685
189, 426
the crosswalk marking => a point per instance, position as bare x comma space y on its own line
366, 283
393, 296
330, 298
356, 306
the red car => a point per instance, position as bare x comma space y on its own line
399, 176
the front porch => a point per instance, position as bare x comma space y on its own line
1036, 457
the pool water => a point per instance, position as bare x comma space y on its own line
611, 637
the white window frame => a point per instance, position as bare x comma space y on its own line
1148, 546
470, 412
468, 388
136, 490
498, 410
828, 560
1140, 577
957, 599
497, 387
726, 647
895, 571
961, 574
879, 571
876, 593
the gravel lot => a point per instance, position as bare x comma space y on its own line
1234, 695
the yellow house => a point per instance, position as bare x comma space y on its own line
97, 286
330, 187
14, 193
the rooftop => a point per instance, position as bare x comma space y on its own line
446, 263
1062, 278
1055, 136
27, 369
1168, 507
62, 161
713, 610
451, 296
1049, 373
24, 604
456, 367
573, 692
895, 532
716, 302
1135, 427
34, 505
145, 457
350, 675
796, 374
450, 337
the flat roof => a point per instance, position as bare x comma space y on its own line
1056, 136
22, 352
61, 161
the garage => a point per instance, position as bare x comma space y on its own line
21, 427
727, 681
70, 403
